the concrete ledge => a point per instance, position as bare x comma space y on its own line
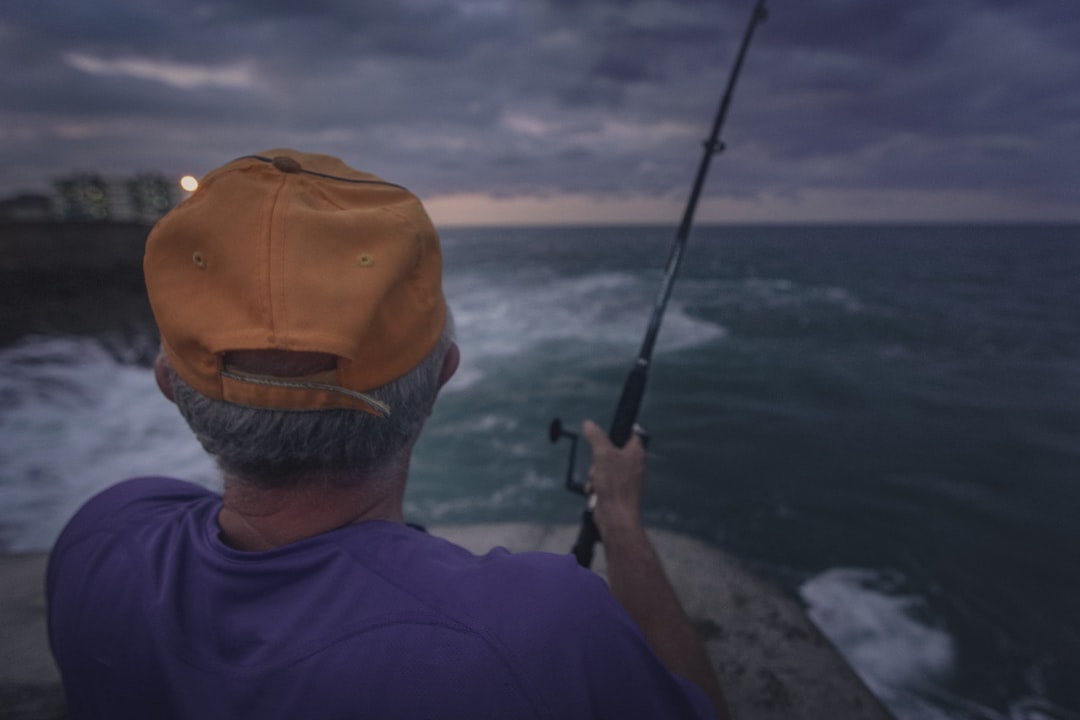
772, 662
29, 684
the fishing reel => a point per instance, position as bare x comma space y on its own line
557, 432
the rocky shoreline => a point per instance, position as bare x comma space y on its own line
72, 278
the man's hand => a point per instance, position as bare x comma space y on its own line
616, 480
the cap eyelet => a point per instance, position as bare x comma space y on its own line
286, 164
199, 259
365, 260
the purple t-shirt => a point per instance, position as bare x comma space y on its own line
151, 615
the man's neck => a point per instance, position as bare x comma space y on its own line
257, 519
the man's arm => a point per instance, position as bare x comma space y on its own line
635, 575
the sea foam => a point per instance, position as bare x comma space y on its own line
590, 315
901, 658
73, 420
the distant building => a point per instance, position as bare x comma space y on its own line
143, 198
81, 197
150, 197
26, 208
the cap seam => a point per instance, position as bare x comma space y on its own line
328, 176
275, 265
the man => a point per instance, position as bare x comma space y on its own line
304, 339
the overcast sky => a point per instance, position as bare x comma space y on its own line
568, 110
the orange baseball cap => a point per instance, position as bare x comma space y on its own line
291, 251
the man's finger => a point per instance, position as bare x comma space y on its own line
596, 435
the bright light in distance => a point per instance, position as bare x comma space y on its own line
189, 183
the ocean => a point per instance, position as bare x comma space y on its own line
883, 420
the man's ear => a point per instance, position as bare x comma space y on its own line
449, 367
450, 364
163, 377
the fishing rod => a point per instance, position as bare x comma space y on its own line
633, 391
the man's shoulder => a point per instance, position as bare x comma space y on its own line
139, 489
500, 576
112, 543
127, 504
516, 597
557, 628
133, 493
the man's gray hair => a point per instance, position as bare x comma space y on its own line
281, 448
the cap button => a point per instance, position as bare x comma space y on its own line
286, 164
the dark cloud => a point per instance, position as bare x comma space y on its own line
546, 96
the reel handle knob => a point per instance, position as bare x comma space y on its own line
556, 431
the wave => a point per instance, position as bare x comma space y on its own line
780, 292
531, 312
898, 657
74, 419
906, 661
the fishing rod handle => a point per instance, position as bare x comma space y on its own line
588, 536
622, 427
589, 533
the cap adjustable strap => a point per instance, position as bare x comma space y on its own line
380, 408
